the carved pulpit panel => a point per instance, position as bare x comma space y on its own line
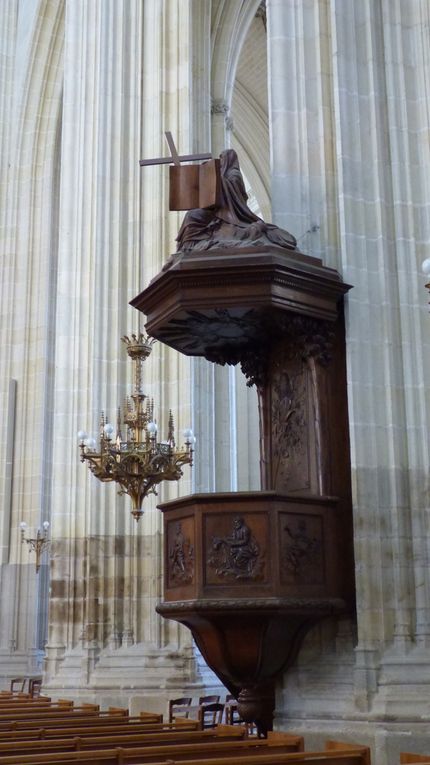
235, 548
292, 412
180, 552
301, 549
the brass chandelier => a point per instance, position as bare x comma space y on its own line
139, 462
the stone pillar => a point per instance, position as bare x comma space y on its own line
115, 234
349, 157
98, 251
225, 409
30, 85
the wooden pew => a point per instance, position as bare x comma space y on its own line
135, 752
144, 734
128, 725
133, 756
100, 728
410, 757
59, 718
39, 704
156, 745
6, 696
37, 707
79, 720
59, 713
332, 746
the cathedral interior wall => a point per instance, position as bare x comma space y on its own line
327, 103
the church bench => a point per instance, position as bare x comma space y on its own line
58, 713
131, 724
26, 703
145, 734
14, 695
89, 738
153, 750
6, 697
79, 720
57, 719
39, 707
44, 716
24, 707
134, 751
342, 745
408, 758
133, 756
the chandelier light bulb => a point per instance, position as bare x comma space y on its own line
82, 435
189, 436
46, 525
90, 443
426, 266
151, 428
23, 525
108, 430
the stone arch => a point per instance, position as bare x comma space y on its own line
239, 115
230, 24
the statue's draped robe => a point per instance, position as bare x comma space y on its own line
232, 223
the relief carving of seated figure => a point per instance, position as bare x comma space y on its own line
232, 224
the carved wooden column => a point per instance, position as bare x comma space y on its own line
250, 573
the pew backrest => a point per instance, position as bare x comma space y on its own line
130, 725
150, 750
122, 756
331, 745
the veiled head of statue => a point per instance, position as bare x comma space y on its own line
228, 161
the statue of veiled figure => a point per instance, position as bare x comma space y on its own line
231, 223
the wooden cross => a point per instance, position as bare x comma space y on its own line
174, 158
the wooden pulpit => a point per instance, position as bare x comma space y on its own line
251, 572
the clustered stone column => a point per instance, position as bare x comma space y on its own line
30, 99
106, 575
350, 168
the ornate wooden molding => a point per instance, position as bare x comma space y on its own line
327, 606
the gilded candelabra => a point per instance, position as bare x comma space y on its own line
139, 462
37, 544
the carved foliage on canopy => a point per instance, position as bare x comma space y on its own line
224, 338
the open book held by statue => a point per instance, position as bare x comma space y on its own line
227, 221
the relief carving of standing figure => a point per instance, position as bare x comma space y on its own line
181, 557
